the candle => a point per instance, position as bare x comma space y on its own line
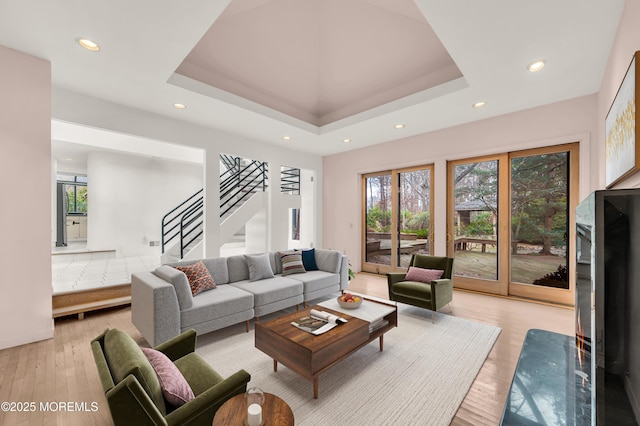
254, 415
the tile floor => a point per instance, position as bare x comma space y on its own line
83, 270
75, 268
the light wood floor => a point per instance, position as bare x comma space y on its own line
62, 369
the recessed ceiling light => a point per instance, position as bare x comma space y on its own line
179, 106
346, 140
479, 104
68, 159
89, 44
286, 138
537, 65
399, 126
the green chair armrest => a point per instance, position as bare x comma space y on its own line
179, 346
395, 277
128, 401
392, 278
208, 402
441, 292
101, 363
442, 282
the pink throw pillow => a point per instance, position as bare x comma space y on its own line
174, 386
422, 275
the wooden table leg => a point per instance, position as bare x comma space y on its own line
315, 387
381, 342
275, 365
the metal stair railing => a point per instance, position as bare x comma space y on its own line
240, 185
191, 226
290, 180
237, 183
173, 221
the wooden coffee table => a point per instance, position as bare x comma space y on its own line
309, 355
234, 412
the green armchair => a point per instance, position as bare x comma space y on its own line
133, 390
434, 295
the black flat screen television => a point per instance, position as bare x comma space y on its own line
608, 302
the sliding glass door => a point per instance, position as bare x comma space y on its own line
476, 208
397, 216
510, 222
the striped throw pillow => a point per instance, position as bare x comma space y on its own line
291, 263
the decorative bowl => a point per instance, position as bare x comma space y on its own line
350, 305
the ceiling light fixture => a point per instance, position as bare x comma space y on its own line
89, 44
346, 140
479, 104
179, 106
537, 65
286, 138
399, 126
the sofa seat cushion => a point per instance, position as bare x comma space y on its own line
412, 289
316, 280
198, 373
125, 357
271, 290
223, 301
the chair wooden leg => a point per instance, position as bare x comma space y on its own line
247, 325
304, 305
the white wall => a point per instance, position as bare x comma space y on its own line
25, 212
627, 42
308, 216
76, 108
127, 197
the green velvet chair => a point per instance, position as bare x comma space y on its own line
133, 390
434, 295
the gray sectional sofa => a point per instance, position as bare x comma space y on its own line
162, 305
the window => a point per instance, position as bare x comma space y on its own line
75, 188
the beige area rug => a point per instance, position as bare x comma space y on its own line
420, 378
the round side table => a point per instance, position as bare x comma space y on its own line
275, 412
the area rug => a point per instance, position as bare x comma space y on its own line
420, 378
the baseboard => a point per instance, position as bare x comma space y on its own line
26, 339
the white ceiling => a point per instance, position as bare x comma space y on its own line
320, 61
491, 41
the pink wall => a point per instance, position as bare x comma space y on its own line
25, 211
564, 122
626, 43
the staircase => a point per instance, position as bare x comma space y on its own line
240, 181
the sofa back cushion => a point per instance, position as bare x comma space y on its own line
180, 284
199, 277
328, 260
238, 269
217, 268
125, 357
